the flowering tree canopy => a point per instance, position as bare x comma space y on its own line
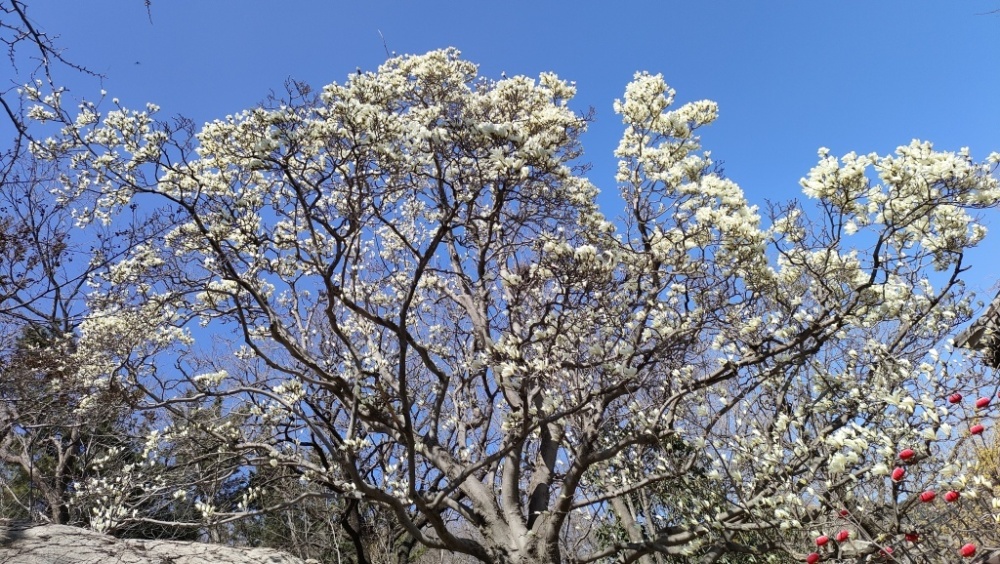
419, 304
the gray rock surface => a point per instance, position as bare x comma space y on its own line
58, 544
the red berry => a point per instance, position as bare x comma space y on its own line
843, 535
844, 513
822, 540
928, 496
977, 429
906, 454
813, 558
955, 398
982, 402
898, 473
951, 496
912, 537
968, 550
885, 552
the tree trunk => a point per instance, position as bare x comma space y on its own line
533, 553
351, 521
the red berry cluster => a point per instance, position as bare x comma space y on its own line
843, 536
907, 456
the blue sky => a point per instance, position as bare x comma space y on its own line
789, 76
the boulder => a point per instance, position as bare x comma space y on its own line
59, 544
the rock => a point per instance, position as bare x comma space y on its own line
59, 544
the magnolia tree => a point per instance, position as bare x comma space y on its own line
422, 307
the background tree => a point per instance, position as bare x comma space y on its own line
55, 432
43, 442
982, 520
320, 526
430, 314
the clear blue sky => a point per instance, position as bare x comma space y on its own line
789, 76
